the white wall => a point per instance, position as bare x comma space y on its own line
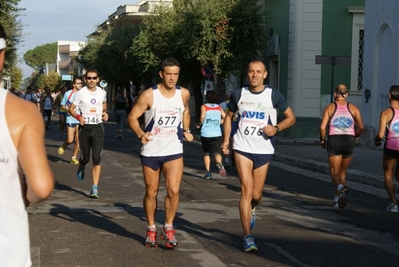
305, 42
381, 57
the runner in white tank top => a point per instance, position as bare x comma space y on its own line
167, 121
21, 136
253, 142
164, 121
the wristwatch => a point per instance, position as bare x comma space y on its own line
187, 131
277, 129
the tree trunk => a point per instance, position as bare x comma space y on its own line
197, 82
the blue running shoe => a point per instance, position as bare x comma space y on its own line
253, 218
81, 172
208, 176
94, 191
249, 244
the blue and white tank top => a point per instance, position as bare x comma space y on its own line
211, 124
255, 111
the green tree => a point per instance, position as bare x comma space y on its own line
16, 77
88, 56
9, 19
37, 57
40, 80
109, 52
203, 32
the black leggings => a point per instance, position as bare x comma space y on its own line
91, 137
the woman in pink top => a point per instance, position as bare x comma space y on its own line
389, 127
341, 117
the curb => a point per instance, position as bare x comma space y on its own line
312, 165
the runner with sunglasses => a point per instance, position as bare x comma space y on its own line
92, 102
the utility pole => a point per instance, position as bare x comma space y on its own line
332, 60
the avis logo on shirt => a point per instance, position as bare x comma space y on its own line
253, 115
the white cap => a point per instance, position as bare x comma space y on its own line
2, 43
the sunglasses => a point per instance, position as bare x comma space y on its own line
91, 78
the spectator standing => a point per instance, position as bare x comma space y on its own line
61, 111
121, 106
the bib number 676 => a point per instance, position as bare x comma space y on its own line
251, 130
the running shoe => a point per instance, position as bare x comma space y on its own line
392, 208
342, 197
222, 171
151, 238
208, 176
168, 234
62, 148
249, 244
94, 191
81, 172
74, 161
253, 218
120, 137
335, 205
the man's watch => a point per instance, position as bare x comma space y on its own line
277, 129
187, 131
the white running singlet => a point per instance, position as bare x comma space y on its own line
164, 121
14, 227
255, 111
91, 104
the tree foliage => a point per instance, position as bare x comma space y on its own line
109, 52
37, 57
226, 34
16, 75
40, 80
9, 19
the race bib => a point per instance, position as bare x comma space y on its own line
165, 118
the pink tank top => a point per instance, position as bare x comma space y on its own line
392, 140
341, 122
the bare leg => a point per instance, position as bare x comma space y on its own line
151, 181
207, 162
389, 165
252, 182
173, 173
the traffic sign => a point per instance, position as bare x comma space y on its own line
207, 71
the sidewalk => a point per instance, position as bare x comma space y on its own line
365, 167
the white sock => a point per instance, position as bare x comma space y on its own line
336, 198
339, 187
152, 227
168, 225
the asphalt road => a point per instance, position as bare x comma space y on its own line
295, 224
